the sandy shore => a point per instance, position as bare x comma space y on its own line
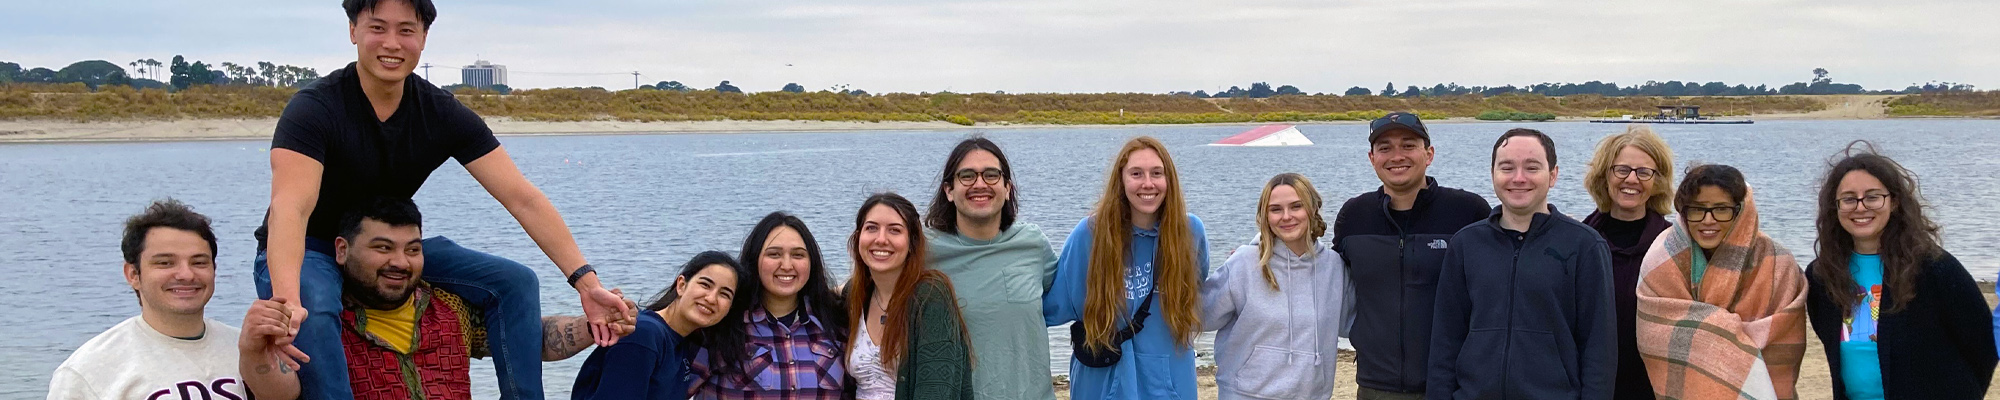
1814, 379
33, 131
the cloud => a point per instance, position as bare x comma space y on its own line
1085, 46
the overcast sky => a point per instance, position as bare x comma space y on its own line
1069, 45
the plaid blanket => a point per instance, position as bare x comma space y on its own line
1740, 334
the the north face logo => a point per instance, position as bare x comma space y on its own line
1437, 244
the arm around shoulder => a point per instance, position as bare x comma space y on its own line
1222, 293
1063, 301
1963, 309
940, 352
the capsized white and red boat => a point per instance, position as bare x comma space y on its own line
1267, 135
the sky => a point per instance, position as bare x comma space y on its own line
1022, 46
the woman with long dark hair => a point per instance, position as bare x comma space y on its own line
784, 336
1899, 316
652, 362
909, 341
1129, 276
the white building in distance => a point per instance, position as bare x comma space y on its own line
483, 74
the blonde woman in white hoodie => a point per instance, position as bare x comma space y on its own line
1281, 303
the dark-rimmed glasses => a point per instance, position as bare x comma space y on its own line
1872, 202
992, 176
1721, 214
1645, 174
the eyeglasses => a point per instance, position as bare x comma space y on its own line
1645, 174
1872, 202
1698, 214
992, 176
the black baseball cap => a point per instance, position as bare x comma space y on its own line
1394, 121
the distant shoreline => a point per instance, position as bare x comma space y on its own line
59, 131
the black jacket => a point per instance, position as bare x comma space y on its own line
1394, 269
1940, 347
1524, 315
1632, 382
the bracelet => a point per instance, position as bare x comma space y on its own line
578, 274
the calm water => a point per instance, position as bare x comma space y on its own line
641, 205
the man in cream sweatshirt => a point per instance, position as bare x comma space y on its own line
170, 350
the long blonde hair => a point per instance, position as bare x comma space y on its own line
1174, 264
1659, 195
1267, 236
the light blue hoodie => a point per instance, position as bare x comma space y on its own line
1277, 344
1153, 366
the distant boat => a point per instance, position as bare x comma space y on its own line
1267, 136
1673, 115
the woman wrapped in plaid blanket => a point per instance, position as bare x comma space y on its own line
1721, 310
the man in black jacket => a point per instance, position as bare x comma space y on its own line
1542, 326
1393, 240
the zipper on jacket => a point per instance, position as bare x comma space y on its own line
1508, 349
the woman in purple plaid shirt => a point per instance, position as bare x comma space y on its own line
784, 335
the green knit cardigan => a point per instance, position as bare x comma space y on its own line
938, 358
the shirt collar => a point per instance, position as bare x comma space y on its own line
758, 315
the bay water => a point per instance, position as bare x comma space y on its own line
640, 205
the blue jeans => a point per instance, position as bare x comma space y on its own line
506, 290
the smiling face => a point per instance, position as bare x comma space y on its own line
1629, 194
706, 297
389, 39
1400, 159
1864, 224
382, 263
1287, 214
1522, 176
977, 200
784, 265
1708, 233
175, 274
1145, 178
883, 240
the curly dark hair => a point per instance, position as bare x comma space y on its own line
1909, 239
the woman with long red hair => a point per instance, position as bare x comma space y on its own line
1129, 276
908, 340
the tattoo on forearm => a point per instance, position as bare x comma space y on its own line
263, 369
563, 337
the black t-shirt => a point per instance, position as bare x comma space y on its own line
1406, 218
1621, 233
364, 157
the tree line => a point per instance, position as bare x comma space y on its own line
178, 74
1819, 84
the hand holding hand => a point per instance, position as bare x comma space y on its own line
269, 328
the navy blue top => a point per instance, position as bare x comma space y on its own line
648, 364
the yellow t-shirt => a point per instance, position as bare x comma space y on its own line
398, 327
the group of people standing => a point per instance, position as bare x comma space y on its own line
1664, 290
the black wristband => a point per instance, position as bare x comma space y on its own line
578, 274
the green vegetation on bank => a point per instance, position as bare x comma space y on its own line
1948, 103
78, 102
1502, 115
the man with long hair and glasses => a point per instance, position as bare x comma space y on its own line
1000, 268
